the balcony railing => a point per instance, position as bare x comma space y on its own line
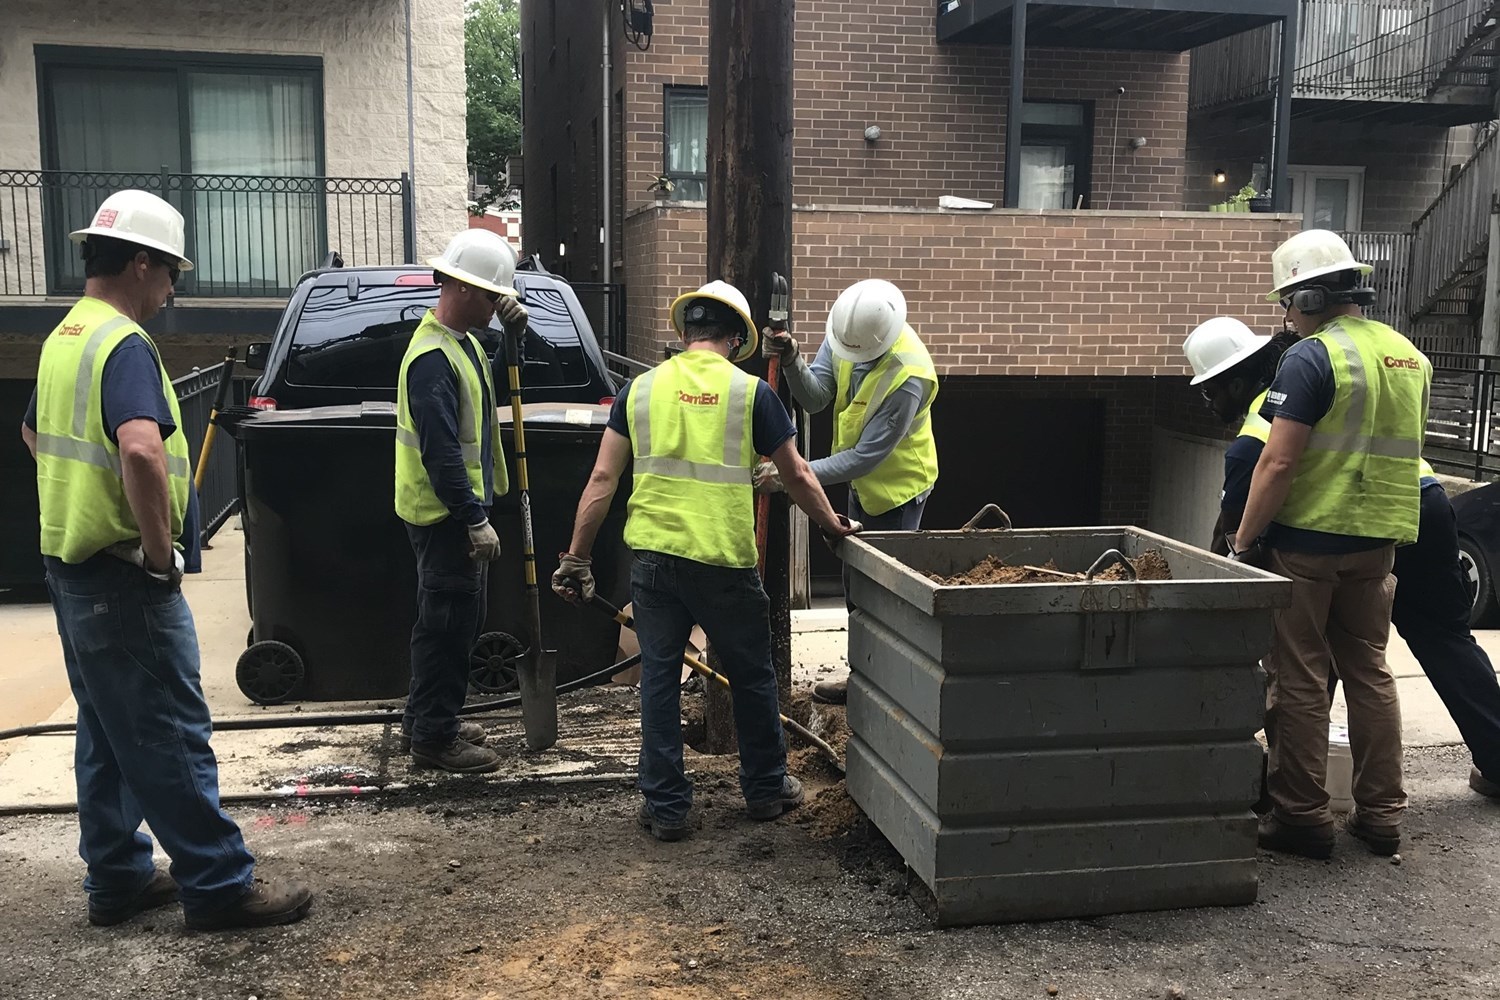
1451, 237
1389, 50
1390, 253
247, 236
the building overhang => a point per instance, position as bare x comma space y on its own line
1146, 25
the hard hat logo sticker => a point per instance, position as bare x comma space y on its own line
106, 218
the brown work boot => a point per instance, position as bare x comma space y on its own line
264, 905
1314, 842
831, 692
1484, 786
160, 891
1381, 840
469, 732
456, 757
658, 829
789, 799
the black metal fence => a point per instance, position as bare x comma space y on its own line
247, 236
604, 304
1462, 433
218, 498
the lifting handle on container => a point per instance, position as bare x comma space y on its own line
1111, 558
989, 510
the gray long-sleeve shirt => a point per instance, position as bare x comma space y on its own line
815, 387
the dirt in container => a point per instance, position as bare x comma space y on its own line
1149, 565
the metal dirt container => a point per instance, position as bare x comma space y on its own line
1067, 749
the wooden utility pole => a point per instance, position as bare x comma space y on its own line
750, 232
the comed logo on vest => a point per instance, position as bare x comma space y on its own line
698, 398
1411, 363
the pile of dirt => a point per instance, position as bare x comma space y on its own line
826, 721
830, 814
1149, 565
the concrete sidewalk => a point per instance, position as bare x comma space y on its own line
599, 732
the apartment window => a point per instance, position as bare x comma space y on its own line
686, 145
1056, 138
211, 117
1328, 197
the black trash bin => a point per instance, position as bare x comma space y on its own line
22, 578
331, 576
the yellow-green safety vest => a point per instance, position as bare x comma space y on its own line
911, 468
416, 501
1259, 427
79, 482
693, 448
1360, 474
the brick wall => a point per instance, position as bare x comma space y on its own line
941, 109
997, 293
1405, 165
363, 52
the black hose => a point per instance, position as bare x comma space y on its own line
337, 718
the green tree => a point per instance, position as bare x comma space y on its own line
492, 52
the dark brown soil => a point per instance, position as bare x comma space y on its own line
831, 813
1149, 565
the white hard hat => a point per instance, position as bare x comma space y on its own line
722, 291
1310, 254
142, 218
866, 319
1218, 345
480, 258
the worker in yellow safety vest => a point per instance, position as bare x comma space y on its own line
691, 429
116, 495
875, 372
1336, 489
449, 469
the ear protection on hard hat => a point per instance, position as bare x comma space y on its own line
711, 312
1315, 299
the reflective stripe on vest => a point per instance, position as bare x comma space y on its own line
692, 447
1255, 425
1360, 473
416, 501
911, 468
79, 473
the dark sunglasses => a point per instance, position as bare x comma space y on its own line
170, 263
494, 297
1286, 302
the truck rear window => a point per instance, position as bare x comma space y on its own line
359, 343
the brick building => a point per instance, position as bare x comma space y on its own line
1056, 325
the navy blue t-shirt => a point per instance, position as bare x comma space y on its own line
1303, 391
131, 390
771, 425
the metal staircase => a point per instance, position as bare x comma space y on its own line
1450, 242
1475, 27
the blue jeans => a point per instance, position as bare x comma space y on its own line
907, 517
1431, 612
450, 616
669, 595
142, 747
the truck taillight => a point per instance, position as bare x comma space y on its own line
606, 400
262, 403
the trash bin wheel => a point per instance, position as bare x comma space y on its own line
493, 663
269, 672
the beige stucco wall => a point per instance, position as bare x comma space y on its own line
363, 50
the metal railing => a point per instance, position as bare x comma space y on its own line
1450, 238
604, 304
1390, 253
1462, 434
1346, 49
247, 236
218, 498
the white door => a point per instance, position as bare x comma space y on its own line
1328, 197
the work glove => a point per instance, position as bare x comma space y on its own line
778, 344
136, 556
1254, 556
574, 579
484, 544
512, 314
834, 539
767, 478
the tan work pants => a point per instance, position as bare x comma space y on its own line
1340, 614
